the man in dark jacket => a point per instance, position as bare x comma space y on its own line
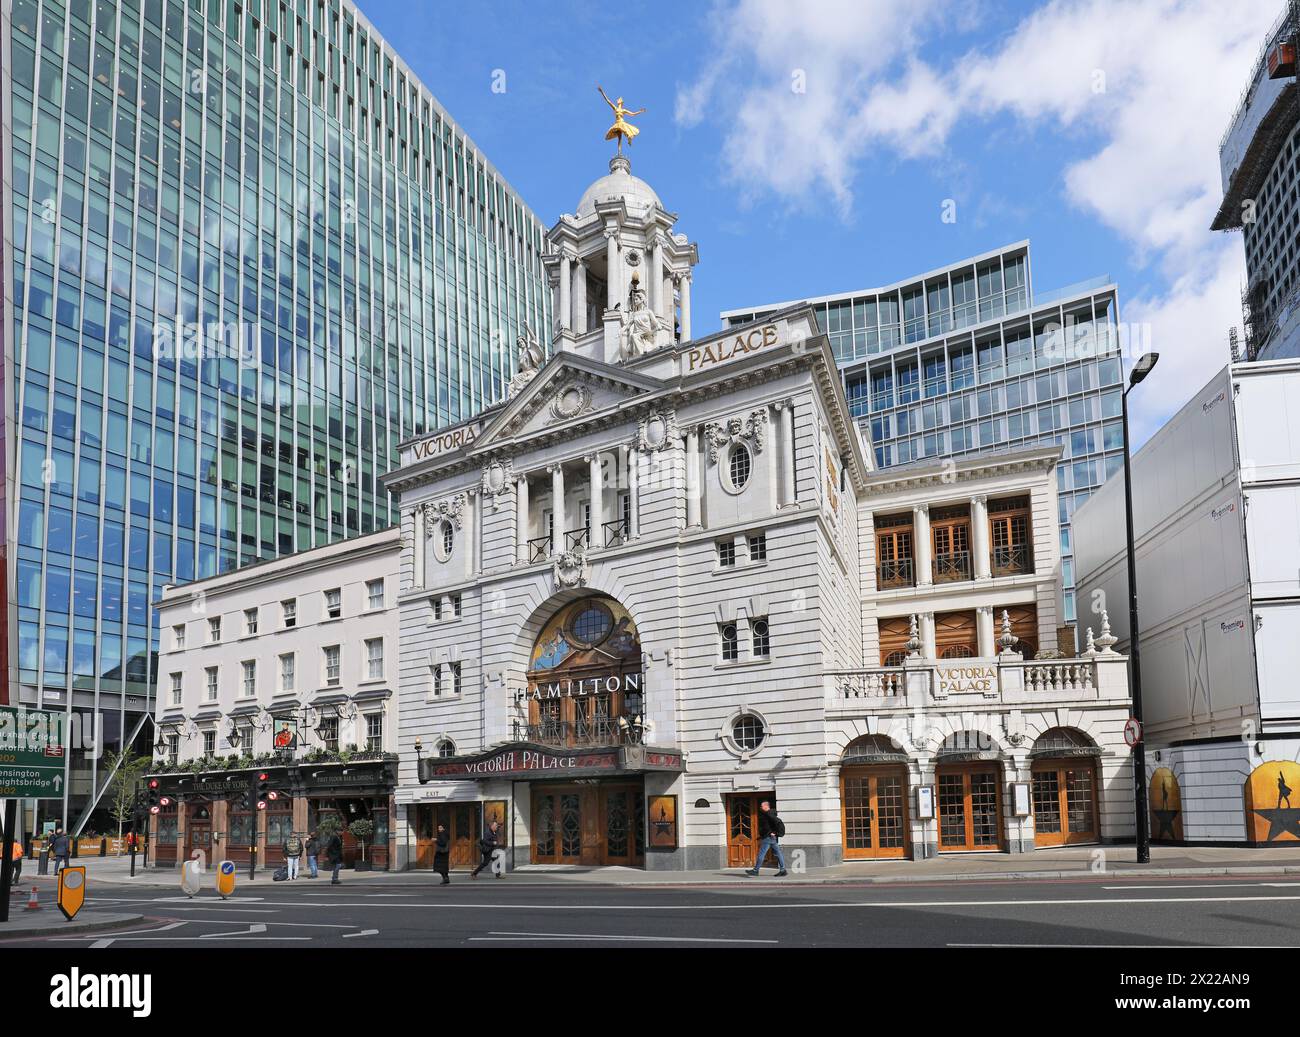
442, 854
334, 856
487, 846
770, 830
60, 849
313, 851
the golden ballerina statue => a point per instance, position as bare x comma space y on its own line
622, 129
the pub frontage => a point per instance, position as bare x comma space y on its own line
213, 809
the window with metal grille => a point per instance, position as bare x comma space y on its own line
761, 637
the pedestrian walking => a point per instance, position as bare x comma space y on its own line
292, 854
313, 851
18, 863
442, 854
487, 847
334, 856
60, 849
770, 830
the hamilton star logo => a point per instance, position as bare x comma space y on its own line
1281, 820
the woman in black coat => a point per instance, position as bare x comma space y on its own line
441, 854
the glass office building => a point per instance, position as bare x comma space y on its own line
246, 253
967, 358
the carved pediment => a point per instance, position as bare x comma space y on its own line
567, 389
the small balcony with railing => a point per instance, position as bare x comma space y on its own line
575, 506
583, 707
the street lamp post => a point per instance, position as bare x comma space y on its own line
1140, 370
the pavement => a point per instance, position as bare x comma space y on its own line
1057, 863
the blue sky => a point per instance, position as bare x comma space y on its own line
810, 147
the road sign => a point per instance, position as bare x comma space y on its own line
225, 879
33, 747
72, 890
1132, 732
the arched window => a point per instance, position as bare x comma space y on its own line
448, 538
446, 747
740, 465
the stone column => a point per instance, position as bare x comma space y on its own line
596, 538
984, 632
686, 306
785, 410
773, 449
927, 636
565, 280
613, 294
921, 544
417, 547
654, 275
521, 519
979, 537
579, 300
693, 477
634, 490
558, 523
471, 534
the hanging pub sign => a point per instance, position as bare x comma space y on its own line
286, 734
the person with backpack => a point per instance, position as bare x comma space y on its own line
487, 847
770, 830
292, 854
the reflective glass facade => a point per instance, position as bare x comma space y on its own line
249, 253
967, 359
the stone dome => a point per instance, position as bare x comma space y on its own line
619, 184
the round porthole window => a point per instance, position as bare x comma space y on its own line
748, 732
739, 466
591, 624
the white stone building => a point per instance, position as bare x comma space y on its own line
640, 595
286, 668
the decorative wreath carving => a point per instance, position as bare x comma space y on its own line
570, 401
658, 430
752, 430
450, 509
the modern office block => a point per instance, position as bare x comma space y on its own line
967, 358
246, 253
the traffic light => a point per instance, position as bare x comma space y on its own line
153, 797
264, 791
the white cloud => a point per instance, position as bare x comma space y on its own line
1142, 90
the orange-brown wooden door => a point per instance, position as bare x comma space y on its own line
970, 806
742, 829
873, 810
557, 826
1065, 802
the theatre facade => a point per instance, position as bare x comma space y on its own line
660, 583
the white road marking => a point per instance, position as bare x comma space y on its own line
1140, 946
364, 932
606, 936
256, 927
1216, 885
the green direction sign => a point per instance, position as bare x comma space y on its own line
33, 751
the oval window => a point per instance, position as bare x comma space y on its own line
740, 467
592, 625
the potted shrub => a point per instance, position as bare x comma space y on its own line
362, 829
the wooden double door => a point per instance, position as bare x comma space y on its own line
593, 824
970, 806
1065, 802
462, 823
873, 812
742, 829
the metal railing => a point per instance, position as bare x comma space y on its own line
897, 573
1012, 561
539, 548
616, 532
596, 732
950, 567
574, 538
